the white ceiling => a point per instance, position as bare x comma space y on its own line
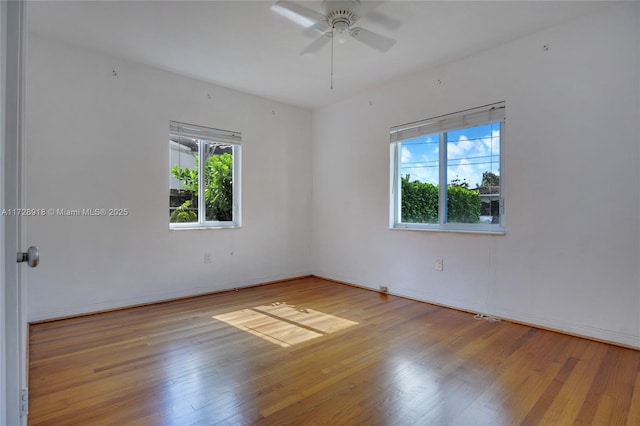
245, 46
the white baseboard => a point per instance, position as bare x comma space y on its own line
126, 302
580, 330
526, 318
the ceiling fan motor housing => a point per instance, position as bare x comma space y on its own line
337, 23
341, 20
341, 14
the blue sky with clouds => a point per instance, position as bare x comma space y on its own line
470, 152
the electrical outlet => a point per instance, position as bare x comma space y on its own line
24, 402
207, 257
439, 265
384, 289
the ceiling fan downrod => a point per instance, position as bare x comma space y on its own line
332, 37
340, 20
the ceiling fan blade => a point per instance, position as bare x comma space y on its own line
296, 13
377, 41
317, 44
318, 29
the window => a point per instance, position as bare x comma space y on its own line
204, 183
445, 172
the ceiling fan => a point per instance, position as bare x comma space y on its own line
337, 22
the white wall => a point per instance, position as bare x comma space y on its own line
97, 140
570, 257
3, 350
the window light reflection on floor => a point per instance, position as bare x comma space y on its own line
284, 324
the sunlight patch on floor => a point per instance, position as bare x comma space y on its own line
284, 324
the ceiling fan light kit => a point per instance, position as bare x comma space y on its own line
335, 23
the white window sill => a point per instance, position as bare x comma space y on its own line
482, 231
191, 228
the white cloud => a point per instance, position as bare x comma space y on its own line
460, 148
464, 171
469, 156
405, 155
491, 143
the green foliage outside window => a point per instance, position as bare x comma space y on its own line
420, 203
463, 205
218, 189
182, 214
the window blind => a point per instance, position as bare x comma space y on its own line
198, 132
468, 118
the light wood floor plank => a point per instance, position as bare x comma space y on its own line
314, 352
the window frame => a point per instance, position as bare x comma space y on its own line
446, 123
204, 136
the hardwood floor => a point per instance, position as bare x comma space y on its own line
313, 352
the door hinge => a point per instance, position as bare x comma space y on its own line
24, 402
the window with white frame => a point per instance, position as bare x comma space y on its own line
445, 172
204, 182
